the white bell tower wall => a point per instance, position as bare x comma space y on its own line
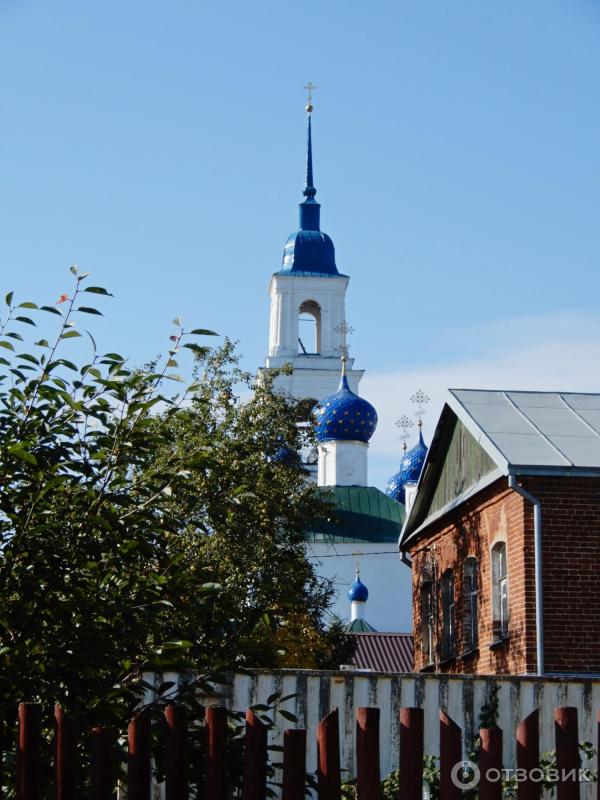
316, 374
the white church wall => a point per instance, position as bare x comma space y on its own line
388, 580
343, 463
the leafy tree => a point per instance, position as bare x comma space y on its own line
142, 528
242, 515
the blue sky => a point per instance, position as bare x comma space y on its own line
456, 157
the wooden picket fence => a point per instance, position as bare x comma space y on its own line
255, 769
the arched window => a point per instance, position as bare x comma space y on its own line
427, 622
499, 591
470, 604
448, 630
309, 328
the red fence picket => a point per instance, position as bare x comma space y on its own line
411, 752
328, 758
567, 753
64, 755
216, 723
294, 764
255, 758
138, 759
528, 756
102, 774
28, 752
176, 761
490, 764
367, 753
450, 756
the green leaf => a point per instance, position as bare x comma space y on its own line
287, 715
27, 320
19, 451
28, 357
73, 268
51, 310
70, 334
196, 348
16, 336
203, 332
175, 377
93, 341
9, 298
113, 357
89, 310
97, 290
172, 363
7, 345
27, 304
210, 588
177, 321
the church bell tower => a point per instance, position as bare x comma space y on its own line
308, 325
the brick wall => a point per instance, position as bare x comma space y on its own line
571, 571
571, 577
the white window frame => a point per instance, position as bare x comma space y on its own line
500, 599
471, 600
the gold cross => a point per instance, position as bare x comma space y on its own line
309, 86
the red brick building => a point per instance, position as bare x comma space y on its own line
504, 536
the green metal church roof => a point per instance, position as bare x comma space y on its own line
359, 514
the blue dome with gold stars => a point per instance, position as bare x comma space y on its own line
409, 472
344, 416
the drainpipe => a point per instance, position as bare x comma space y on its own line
406, 560
537, 553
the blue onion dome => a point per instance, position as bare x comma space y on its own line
344, 416
409, 472
287, 456
358, 592
309, 252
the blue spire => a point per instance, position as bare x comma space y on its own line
309, 189
310, 210
309, 251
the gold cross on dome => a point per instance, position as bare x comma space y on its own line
309, 104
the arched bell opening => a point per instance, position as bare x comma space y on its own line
309, 328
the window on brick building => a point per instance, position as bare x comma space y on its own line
427, 622
470, 603
448, 631
499, 591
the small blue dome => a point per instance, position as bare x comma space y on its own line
287, 456
358, 592
308, 251
344, 416
409, 472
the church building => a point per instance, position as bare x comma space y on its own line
308, 329
503, 536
